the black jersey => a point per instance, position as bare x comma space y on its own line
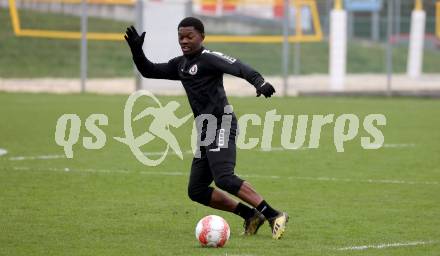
202, 77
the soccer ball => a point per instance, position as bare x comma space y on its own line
212, 231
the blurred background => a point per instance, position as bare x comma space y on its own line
302, 46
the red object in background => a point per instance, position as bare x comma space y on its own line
404, 38
278, 9
210, 6
229, 5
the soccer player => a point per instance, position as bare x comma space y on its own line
201, 73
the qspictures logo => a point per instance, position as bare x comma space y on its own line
208, 130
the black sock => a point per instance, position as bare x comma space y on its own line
266, 210
244, 211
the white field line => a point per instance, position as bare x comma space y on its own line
159, 153
3, 151
401, 145
26, 168
177, 173
42, 157
281, 149
384, 246
382, 181
55, 156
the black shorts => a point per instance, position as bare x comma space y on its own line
216, 164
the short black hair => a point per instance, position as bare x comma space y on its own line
192, 22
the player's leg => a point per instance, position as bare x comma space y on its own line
200, 191
248, 194
222, 165
225, 179
221, 201
276, 219
199, 181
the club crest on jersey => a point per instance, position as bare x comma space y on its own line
193, 70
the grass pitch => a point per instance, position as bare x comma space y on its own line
104, 202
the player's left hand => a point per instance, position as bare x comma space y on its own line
266, 89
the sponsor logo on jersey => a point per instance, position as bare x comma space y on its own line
227, 58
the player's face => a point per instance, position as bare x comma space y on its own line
190, 40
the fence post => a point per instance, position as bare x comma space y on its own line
416, 40
83, 61
338, 47
285, 55
389, 54
139, 12
375, 26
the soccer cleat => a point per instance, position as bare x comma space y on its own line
278, 225
252, 224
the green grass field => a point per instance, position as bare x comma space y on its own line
36, 57
104, 202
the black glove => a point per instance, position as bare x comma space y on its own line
134, 40
266, 89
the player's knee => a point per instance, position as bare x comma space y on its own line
229, 183
194, 194
200, 195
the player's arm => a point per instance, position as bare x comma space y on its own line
145, 66
235, 67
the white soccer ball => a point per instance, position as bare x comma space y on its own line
212, 231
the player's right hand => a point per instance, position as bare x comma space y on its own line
134, 40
